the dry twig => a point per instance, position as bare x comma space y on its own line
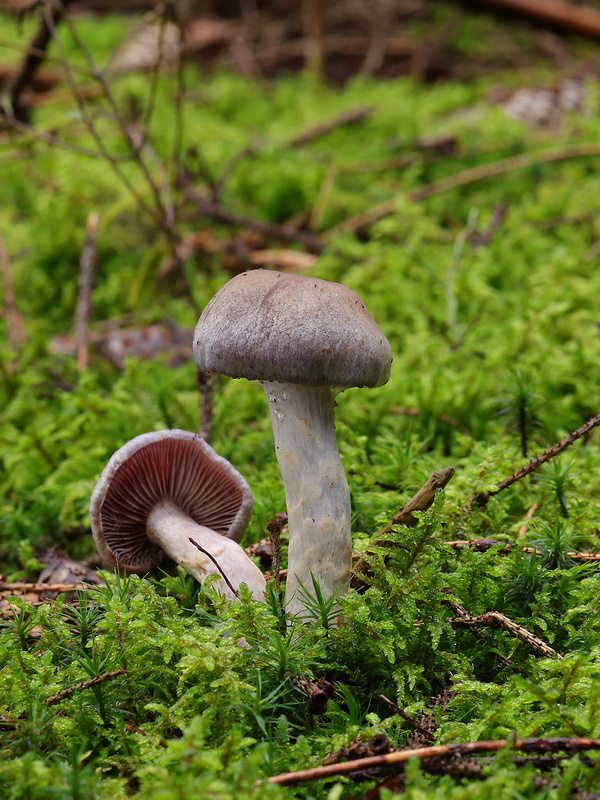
217, 565
494, 619
79, 687
483, 545
467, 177
421, 501
87, 267
457, 750
483, 498
414, 723
285, 233
14, 320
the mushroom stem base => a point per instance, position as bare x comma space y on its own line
316, 490
171, 529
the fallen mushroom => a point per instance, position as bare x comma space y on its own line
305, 339
163, 489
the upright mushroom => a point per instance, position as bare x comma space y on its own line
163, 488
305, 339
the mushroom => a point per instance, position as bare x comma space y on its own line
162, 489
305, 339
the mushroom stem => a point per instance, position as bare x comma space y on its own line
170, 528
316, 490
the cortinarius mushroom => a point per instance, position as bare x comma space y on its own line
305, 339
163, 488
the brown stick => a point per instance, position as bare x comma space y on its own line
34, 57
483, 498
314, 24
217, 565
461, 613
106, 676
573, 18
285, 233
350, 117
7, 589
411, 720
482, 545
466, 177
539, 745
494, 619
87, 268
14, 320
421, 501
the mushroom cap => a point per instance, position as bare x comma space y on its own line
171, 466
271, 326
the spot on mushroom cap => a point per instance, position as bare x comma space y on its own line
271, 326
164, 466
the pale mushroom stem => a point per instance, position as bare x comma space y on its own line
170, 528
316, 490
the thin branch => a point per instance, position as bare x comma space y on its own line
14, 320
461, 612
483, 498
36, 53
216, 563
571, 17
32, 50
494, 619
421, 501
48, 138
483, 545
411, 720
79, 687
89, 123
13, 589
350, 117
285, 233
84, 299
459, 749
467, 177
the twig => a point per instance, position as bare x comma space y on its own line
461, 613
216, 563
8, 589
286, 233
482, 499
314, 40
411, 720
136, 148
350, 117
62, 695
87, 267
532, 745
571, 17
421, 501
205, 402
469, 176
530, 512
483, 545
495, 619
36, 53
14, 320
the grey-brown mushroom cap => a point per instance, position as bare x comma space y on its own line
172, 466
271, 326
